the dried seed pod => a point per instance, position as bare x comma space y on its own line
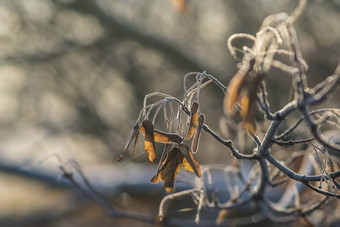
153, 135
164, 137
149, 142
234, 90
171, 167
193, 120
195, 141
189, 161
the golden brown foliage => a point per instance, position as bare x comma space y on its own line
193, 120
195, 141
177, 157
149, 141
243, 89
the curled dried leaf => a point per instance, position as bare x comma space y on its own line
195, 141
149, 142
234, 90
153, 135
248, 103
164, 137
193, 120
176, 158
189, 161
248, 112
243, 88
237, 83
169, 170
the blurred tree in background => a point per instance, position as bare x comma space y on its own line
73, 75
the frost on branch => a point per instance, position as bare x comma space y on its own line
312, 168
302, 181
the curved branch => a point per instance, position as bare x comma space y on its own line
229, 144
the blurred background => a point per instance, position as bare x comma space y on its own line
73, 75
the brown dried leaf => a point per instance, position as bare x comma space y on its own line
193, 120
248, 103
195, 141
243, 88
234, 89
237, 84
170, 169
164, 137
149, 142
189, 161
173, 163
222, 215
153, 135
248, 112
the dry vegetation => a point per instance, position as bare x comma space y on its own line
258, 146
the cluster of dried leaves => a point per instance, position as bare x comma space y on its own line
178, 154
246, 91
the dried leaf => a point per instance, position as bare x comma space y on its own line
234, 90
189, 161
195, 141
153, 135
193, 120
164, 137
222, 215
171, 167
182, 6
149, 142
176, 158
248, 112
243, 88
165, 153
237, 83
248, 103
133, 134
